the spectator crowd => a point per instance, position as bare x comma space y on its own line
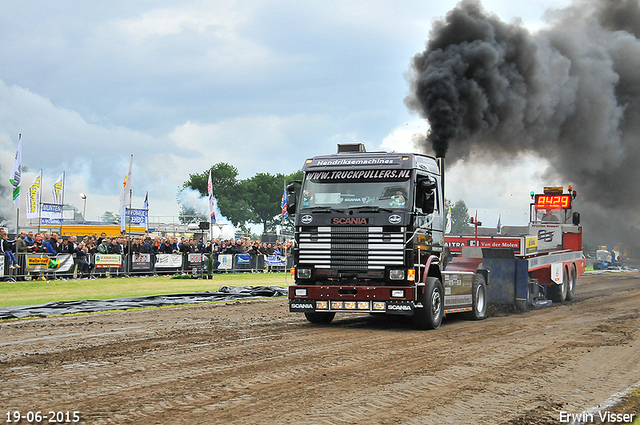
83, 248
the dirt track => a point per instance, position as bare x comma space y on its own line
253, 362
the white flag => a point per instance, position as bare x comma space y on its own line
33, 197
16, 173
448, 226
56, 191
125, 194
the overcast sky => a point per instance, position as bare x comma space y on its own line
259, 84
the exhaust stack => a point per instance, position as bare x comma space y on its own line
440, 161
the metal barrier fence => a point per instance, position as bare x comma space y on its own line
65, 266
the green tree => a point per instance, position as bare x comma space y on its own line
226, 189
109, 217
264, 195
459, 218
252, 200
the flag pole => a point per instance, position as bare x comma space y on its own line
20, 171
62, 201
40, 203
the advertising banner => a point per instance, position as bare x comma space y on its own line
195, 259
243, 259
549, 235
44, 263
51, 214
169, 261
456, 243
57, 190
1, 265
51, 211
138, 216
108, 261
33, 197
273, 260
141, 261
226, 262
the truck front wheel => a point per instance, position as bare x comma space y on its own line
432, 300
320, 318
479, 307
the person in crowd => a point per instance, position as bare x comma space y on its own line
103, 248
82, 259
30, 240
136, 247
146, 247
64, 247
91, 247
21, 243
255, 249
166, 247
214, 255
6, 249
73, 242
115, 247
184, 248
50, 244
37, 247
238, 248
174, 246
270, 249
200, 246
101, 238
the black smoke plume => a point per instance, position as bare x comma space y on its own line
569, 93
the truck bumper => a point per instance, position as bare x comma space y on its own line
352, 299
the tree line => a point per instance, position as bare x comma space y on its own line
253, 200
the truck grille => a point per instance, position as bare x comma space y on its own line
351, 248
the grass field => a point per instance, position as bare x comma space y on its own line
40, 292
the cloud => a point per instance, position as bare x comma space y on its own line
259, 84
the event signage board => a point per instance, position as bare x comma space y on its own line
226, 262
108, 261
141, 261
44, 263
168, 261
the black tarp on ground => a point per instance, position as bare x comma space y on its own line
226, 293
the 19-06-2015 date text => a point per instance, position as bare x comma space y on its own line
40, 417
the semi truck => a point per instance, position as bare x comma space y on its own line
370, 238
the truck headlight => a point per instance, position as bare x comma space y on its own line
304, 273
301, 292
396, 274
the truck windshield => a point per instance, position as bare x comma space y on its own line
352, 189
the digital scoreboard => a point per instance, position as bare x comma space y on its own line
553, 201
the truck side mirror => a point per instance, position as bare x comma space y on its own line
292, 199
427, 183
576, 218
426, 199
